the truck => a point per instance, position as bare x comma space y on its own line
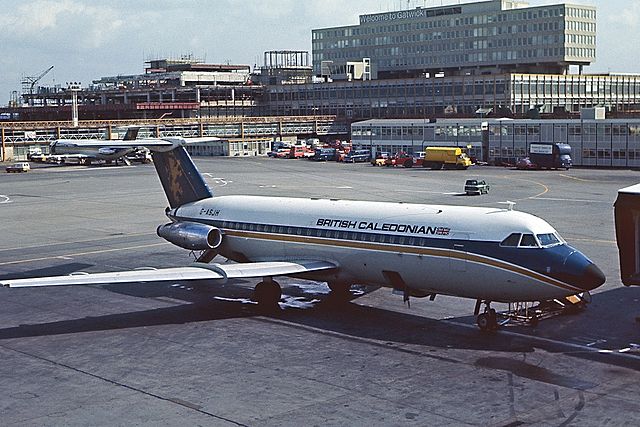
298, 151
446, 157
550, 156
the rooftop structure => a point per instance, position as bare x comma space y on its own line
285, 67
489, 37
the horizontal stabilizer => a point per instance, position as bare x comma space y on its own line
193, 272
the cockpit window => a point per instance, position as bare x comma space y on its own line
512, 240
548, 239
528, 241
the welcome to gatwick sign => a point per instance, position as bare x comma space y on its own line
408, 14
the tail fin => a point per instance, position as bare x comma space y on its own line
180, 178
132, 134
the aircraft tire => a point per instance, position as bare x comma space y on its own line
487, 321
267, 293
483, 322
339, 291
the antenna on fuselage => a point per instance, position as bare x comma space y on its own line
509, 204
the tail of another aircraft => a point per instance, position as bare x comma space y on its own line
180, 178
132, 134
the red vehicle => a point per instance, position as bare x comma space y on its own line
297, 152
404, 159
283, 153
526, 163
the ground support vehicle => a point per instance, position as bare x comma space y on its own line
531, 313
550, 156
297, 152
446, 157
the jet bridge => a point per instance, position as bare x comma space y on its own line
627, 217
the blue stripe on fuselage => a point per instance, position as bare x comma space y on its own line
546, 261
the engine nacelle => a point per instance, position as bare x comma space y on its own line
191, 235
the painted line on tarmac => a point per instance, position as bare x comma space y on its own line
545, 188
65, 256
428, 192
622, 353
76, 241
576, 178
81, 168
216, 180
577, 239
573, 200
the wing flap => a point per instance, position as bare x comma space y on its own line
275, 268
193, 272
163, 274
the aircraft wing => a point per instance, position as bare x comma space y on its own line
193, 272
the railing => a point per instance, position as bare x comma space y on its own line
21, 134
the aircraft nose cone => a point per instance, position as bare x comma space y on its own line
580, 272
592, 277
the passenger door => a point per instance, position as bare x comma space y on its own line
458, 251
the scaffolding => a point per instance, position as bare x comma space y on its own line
286, 67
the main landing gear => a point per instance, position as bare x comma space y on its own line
340, 292
487, 320
267, 293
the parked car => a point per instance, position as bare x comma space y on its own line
355, 156
381, 159
19, 167
473, 186
325, 154
526, 163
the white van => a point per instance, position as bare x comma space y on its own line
19, 167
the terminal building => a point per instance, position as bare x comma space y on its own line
597, 143
497, 58
487, 59
488, 37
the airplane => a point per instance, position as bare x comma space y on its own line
487, 254
87, 151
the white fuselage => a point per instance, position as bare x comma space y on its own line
100, 150
432, 249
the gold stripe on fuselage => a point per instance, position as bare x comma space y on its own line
387, 247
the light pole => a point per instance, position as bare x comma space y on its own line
74, 88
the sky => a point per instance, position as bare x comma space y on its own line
85, 40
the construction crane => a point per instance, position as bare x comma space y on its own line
29, 82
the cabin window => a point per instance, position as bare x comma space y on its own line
548, 239
528, 241
511, 241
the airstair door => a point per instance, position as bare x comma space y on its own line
458, 251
